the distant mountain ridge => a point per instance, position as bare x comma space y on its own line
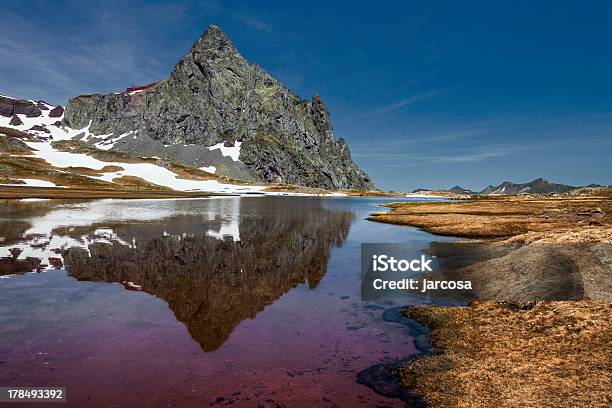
460, 190
537, 186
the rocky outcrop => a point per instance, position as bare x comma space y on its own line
10, 107
56, 112
39, 128
214, 96
15, 121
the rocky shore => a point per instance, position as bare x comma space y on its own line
537, 331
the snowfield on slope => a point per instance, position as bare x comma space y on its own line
146, 171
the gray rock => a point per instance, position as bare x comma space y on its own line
15, 121
56, 112
40, 128
213, 96
10, 107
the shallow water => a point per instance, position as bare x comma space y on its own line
245, 301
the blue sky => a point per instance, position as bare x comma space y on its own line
427, 94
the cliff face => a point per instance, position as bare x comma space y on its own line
215, 96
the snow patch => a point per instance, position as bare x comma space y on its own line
149, 172
34, 183
209, 169
232, 151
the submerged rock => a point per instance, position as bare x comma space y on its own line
383, 379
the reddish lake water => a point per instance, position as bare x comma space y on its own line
245, 302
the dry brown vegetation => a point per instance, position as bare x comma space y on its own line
23, 167
554, 354
13, 168
444, 194
86, 171
293, 188
361, 193
543, 218
136, 183
17, 162
17, 192
15, 133
526, 248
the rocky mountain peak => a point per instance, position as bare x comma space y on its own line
214, 43
214, 96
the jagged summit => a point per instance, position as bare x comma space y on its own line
213, 97
214, 43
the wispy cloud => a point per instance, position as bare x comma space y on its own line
390, 156
408, 159
397, 142
469, 157
402, 103
254, 22
418, 79
52, 63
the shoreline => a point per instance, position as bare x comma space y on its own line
524, 341
25, 192
17, 192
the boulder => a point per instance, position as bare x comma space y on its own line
40, 128
56, 112
10, 107
15, 121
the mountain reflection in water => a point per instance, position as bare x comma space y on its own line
215, 264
